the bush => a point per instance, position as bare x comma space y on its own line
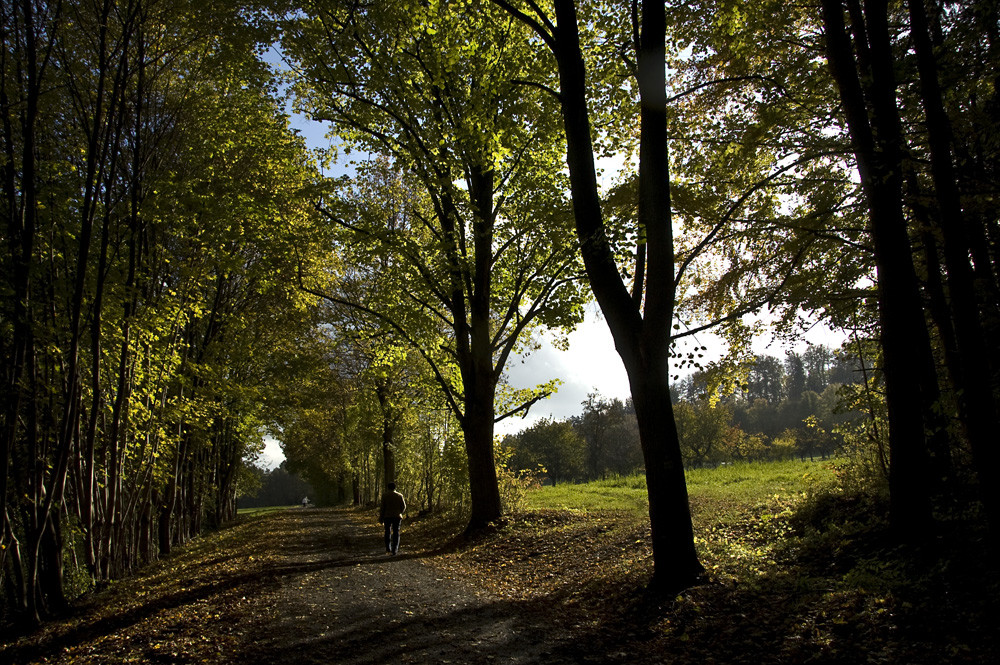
514, 483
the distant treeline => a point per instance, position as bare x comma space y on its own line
275, 487
802, 406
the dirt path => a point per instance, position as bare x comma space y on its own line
341, 599
297, 586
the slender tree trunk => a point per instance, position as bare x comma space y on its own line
21, 220
22, 223
974, 354
388, 430
939, 439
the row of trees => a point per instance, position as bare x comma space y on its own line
262, 488
363, 413
456, 240
162, 228
772, 416
151, 195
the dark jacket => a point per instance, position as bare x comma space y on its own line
393, 506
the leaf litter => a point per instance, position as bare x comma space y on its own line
570, 583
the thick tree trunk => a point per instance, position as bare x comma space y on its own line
676, 561
477, 426
484, 489
641, 338
479, 376
877, 143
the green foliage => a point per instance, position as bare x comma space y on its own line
611, 433
152, 281
554, 446
515, 483
705, 431
456, 237
771, 415
276, 487
761, 189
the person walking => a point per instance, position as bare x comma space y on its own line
391, 514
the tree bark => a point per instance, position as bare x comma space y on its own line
388, 430
479, 376
977, 391
641, 336
877, 141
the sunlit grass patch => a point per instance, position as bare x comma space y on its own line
623, 494
740, 511
263, 509
732, 487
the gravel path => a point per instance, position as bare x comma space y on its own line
341, 599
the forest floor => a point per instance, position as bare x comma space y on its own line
550, 586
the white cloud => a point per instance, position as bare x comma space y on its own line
590, 364
272, 455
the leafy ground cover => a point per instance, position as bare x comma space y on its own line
797, 571
192, 607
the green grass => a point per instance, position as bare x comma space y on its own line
723, 489
737, 487
618, 494
264, 509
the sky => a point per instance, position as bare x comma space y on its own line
591, 364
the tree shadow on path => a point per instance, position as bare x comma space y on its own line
340, 599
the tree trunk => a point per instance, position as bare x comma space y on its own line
477, 426
939, 439
977, 393
475, 352
388, 430
877, 142
674, 554
641, 338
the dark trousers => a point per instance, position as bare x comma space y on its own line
392, 534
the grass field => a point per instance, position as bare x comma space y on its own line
733, 487
263, 509
798, 568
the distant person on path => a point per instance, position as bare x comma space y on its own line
391, 515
